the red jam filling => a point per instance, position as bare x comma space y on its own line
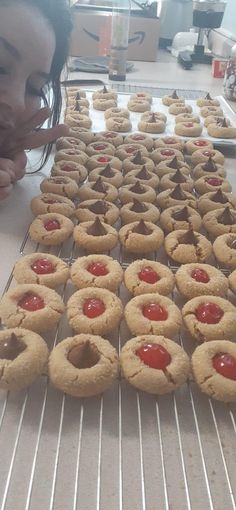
155, 312
43, 266
31, 302
154, 355
109, 135
103, 159
148, 275
130, 150
97, 269
225, 364
209, 313
100, 147
167, 152
138, 137
188, 125
214, 181
68, 168
71, 152
93, 308
200, 143
52, 225
170, 141
200, 275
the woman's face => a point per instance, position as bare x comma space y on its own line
27, 46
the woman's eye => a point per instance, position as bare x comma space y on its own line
34, 91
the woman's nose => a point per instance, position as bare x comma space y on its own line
13, 100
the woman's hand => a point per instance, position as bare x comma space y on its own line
17, 140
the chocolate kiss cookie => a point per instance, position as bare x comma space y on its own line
88, 209
141, 228
181, 214
188, 238
227, 218
99, 186
107, 171
96, 229
186, 247
178, 193
138, 207
219, 197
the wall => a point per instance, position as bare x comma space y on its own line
229, 20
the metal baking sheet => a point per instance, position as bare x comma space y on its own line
98, 120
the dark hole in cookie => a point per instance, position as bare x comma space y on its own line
11, 347
232, 243
84, 355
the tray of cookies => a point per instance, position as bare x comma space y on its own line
117, 353
211, 118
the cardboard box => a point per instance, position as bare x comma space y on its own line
92, 29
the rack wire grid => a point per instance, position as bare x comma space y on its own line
130, 88
124, 450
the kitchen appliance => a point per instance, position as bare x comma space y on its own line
171, 24
207, 14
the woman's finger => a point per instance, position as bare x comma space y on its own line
7, 166
42, 137
5, 179
5, 191
20, 162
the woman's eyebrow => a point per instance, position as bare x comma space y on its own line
10, 48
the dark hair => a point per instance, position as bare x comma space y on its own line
57, 13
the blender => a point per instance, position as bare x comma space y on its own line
207, 14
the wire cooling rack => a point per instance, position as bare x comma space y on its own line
124, 450
129, 88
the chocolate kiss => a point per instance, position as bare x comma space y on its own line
152, 118
141, 229
174, 163
99, 186
104, 91
178, 193
83, 355
224, 123
107, 171
137, 188
178, 177
137, 159
188, 238
181, 214
77, 107
219, 197
99, 207
208, 96
232, 244
138, 206
78, 96
97, 228
11, 347
226, 218
209, 166
143, 173
174, 95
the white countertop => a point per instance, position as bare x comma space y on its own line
15, 215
